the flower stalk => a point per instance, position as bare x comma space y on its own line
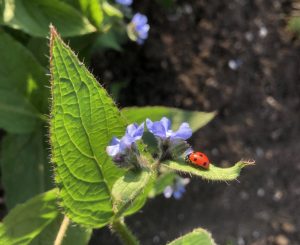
124, 233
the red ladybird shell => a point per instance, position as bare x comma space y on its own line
199, 159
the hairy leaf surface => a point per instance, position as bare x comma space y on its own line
197, 236
83, 121
130, 191
213, 173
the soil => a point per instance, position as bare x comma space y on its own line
238, 58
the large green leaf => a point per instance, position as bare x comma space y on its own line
28, 220
198, 236
24, 166
213, 173
75, 235
35, 16
83, 121
196, 119
131, 191
37, 221
17, 115
20, 73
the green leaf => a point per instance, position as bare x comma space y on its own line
111, 10
294, 24
17, 115
35, 16
162, 182
21, 73
109, 40
37, 221
197, 236
213, 173
177, 116
83, 121
130, 191
24, 166
28, 220
75, 234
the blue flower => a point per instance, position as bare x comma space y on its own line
177, 189
162, 129
124, 2
172, 144
140, 28
117, 146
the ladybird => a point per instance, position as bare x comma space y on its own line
198, 158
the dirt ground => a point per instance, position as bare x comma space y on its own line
238, 58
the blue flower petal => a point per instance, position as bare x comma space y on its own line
139, 19
166, 123
139, 132
177, 195
114, 148
184, 132
168, 191
124, 2
156, 128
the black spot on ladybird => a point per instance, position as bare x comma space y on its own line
195, 158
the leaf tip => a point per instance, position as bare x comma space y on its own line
248, 162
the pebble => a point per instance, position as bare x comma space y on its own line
288, 227
260, 192
234, 64
281, 240
263, 32
277, 195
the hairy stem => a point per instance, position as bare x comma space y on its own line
62, 231
124, 234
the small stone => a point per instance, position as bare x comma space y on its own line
281, 240
277, 195
244, 195
260, 192
156, 239
234, 64
288, 227
249, 36
263, 32
241, 241
256, 234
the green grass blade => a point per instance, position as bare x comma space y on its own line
83, 121
213, 173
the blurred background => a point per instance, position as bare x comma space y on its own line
240, 58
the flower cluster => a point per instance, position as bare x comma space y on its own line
124, 151
171, 144
138, 28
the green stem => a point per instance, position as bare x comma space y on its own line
62, 231
124, 234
